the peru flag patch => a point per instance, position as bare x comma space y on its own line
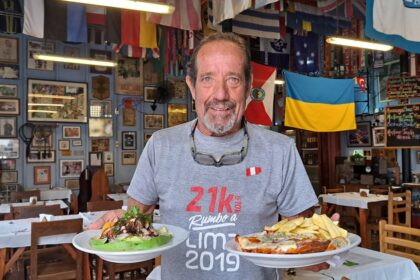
251, 171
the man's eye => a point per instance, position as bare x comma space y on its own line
206, 79
234, 81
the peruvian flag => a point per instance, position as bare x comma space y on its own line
95, 15
252, 171
259, 108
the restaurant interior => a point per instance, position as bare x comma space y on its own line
71, 132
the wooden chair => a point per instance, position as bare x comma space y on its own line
20, 196
62, 264
100, 185
407, 247
104, 205
33, 211
399, 203
337, 189
380, 190
113, 268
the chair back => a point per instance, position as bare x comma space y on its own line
19, 196
400, 241
104, 205
337, 189
380, 190
100, 185
399, 203
33, 211
41, 229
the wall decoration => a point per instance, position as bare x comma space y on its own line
66, 153
95, 159
100, 109
100, 145
57, 101
9, 106
71, 132
42, 175
152, 75
7, 177
153, 121
146, 137
129, 76
102, 55
128, 158
8, 91
129, 117
40, 47
7, 164
9, 148
361, 136
72, 184
177, 114
100, 127
74, 52
378, 136
109, 169
9, 71
64, 145
78, 153
76, 143
100, 87
71, 167
108, 157
40, 156
39, 142
129, 140
150, 93
8, 127
178, 88
9, 50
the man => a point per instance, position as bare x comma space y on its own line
218, 176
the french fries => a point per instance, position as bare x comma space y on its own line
317, 225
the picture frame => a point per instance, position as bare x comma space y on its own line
108, 157
72, 52
9, 50
129, 76
9, 148
71, 132
102, 55
72, 184
9, 107
8, 177
109, 169
129, 140
95, 159
8, 91
42, 142
40, 47
177, 114
41, 156
178, 89
129, 117
100, 127
42, 175
71, 167
100, 87
9, 71
150, 93
68, 101
418, 157
76, 143
146, 137
100, 109
361, 136
128, 158
64, 145
378, 136
8, 127
154, 121
100, 145
7, 164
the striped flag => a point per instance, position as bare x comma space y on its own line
252, 171
319, 104
55, 21
96, 15
33, 18
76, 23
228, 9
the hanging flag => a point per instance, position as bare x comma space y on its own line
130, 27
223, 10
113, 25
76, 23
306, 53
319, 104
274, 52
55, 21
259, 108
10, 14
261, 3
33, 18
147, 33
96, 15
187, 15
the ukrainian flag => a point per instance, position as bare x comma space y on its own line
319, 104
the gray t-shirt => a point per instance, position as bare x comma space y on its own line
215, 203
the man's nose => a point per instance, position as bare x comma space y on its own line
221, 91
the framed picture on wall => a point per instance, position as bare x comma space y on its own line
71, 132
100, 109
7, 127
129, 76
72, 184
177, 114
101, 55
9, 106
9, 71
42, 175
9, 50
42, 142
128, 158
100, 127
146, 137
76, 142
100, 145
150, 93
8, 164
378, 136
74, 52
361, 136
129, 117
40, 47
8, 91
95, 159
40, 156
129, 140
64, 145
7, 177
153, 121
9, 148
109, 169
71, 167
108, 157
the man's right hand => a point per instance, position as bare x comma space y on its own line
108, 217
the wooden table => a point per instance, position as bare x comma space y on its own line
355, 201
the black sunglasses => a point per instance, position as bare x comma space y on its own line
226, 159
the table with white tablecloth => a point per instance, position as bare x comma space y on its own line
5, 207
56, 193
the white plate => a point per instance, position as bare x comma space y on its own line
291, 260
82, 242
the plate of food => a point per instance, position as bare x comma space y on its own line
131, 238
294, 243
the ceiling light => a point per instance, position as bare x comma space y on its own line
145, 6
50, 96
46, 104
279, 82
359, 44
42, 111
76, 60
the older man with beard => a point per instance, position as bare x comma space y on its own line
218, 175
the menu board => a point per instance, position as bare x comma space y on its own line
402, 87
402, 125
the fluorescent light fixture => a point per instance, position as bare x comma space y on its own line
75, 60
50, 96
42, 111
279, 82
145, 6
359, 44
46, 104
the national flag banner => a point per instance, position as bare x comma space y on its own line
130, 27
96, 15
306, 53
113, 25
55, 21
319, 104
76, 23
415, 4
259, 108
187, 15
147, 33
261, 3
223, 10
33, 18
10, 16
277, 46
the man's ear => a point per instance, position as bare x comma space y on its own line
190, 85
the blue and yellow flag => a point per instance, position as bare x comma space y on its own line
319, 104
